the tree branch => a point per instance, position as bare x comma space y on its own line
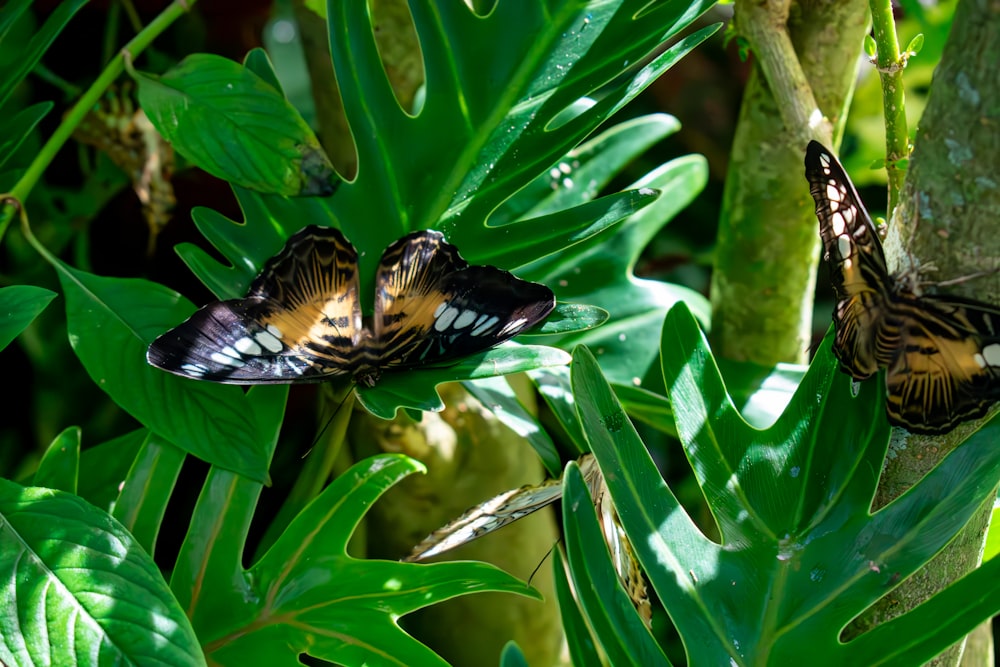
768, 248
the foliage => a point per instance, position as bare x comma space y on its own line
800, 553
496, 140
496, 155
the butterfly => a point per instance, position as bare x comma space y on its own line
301, 318
510, 506
941, 353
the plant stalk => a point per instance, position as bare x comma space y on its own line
890, 70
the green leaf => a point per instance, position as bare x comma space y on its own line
582, 649
512, 656
570, 318
306, 595
951, 614
416, 388
485, 141
488, 133
915, 46
229, 121
268, 222
19, 306
800, 554
992, 547
501, 399
147, 489
111, 322
617, 626
587, 169
79, 590
600, 272
104, 467
60, 465
870, 47
648, 407
18, 128
554, 387
18, 63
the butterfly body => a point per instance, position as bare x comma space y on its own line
941, 353
301, 320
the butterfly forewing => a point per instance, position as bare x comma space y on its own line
300, 322
487, 517
431, 307
854, 255
941, 353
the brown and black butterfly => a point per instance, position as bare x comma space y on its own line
301, 319
941, 353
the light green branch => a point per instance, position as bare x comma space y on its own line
890, 66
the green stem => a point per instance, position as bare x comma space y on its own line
23, 188
890, 68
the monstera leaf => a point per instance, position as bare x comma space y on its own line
800, 554
468, 149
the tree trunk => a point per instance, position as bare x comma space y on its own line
768, 246
947, 214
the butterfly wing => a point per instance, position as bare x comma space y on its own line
487, 517
852, 251
300, 321
947, 368
499, 511
431, 307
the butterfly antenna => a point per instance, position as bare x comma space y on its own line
544, 558
329, 420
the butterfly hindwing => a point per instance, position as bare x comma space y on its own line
300, 322
941, 353
948, 367
431, 307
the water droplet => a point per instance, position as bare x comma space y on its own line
794, 472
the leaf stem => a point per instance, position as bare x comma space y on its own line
890, 70
72, 119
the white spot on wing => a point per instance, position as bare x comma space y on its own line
844, 246
246, 345
443, 322
837, 222
270, 342
226, 360
513, 326
991, 354
484, 326
196, 370
440, 309
465, 319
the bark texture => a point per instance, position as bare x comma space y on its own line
947, 222
768, 245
